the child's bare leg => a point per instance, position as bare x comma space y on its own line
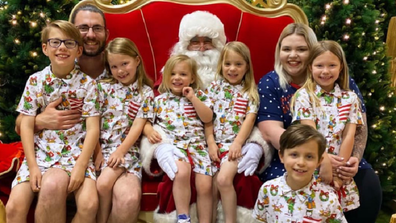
53, 193
204, 197
86, 202
215, 198
127, 194
18, 205
104, 185
225, 185
181, 188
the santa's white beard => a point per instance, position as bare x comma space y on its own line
207, 64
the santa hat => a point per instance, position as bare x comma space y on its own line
204, 24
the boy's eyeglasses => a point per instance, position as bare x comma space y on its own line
85, 28
69, 43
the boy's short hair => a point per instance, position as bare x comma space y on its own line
298, 134
66, 27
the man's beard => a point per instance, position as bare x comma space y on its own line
207, 60
101, 48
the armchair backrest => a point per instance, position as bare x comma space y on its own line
154, 24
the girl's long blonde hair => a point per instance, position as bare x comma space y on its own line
293, 28
125, 46
168, 69
250, 84
310, 85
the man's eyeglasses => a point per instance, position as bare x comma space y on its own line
85, 28
69, 43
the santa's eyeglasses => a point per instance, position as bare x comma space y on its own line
199, 43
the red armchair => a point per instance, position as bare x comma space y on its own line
153, 25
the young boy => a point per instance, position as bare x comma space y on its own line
297, 196
63, 152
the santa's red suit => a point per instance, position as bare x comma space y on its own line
204, 24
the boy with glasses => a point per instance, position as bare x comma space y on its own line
66, 153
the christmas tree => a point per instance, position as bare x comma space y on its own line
359, 27
21, 22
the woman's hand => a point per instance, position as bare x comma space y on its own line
336, 161
349, 170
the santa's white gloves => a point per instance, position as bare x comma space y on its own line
252, 154
165, 155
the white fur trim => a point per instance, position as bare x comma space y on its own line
257, 137
202, 23
172, 218
207, 77
244, 215
147, 150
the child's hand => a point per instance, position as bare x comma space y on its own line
116, 159
337, 183
188, 92
326, 173
98, 160
35, 179
154, 137
77, 178
214, 152
234, 151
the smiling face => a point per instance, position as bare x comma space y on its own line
62, 58
123, 67
180, 77
94, 42
294, 53
325, 70
300, 163
234, 67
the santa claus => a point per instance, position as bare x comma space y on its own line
202, 37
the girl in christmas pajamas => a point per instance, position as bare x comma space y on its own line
326, 103
181, 110
235, 102
126, 103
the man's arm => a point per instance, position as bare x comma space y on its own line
51, 118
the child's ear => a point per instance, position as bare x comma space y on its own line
138, 60
310, 68
79, 51
320, 161
193, 79
280, 156
44, 49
